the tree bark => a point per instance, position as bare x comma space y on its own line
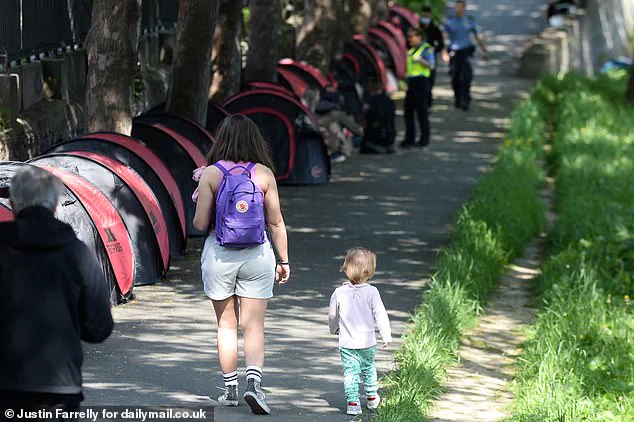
112, 55
369, 12
326, 27
263, 54
226, 55
630, 88
191, 66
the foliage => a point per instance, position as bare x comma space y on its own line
504, 213
578, 363
438, 6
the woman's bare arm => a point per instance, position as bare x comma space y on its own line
276, 224
205, 204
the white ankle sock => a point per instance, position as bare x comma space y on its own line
231, 378
254, 372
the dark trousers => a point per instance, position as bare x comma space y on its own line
461, 76
39, 405
432, 82
417, 104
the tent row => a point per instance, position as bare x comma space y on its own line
285, 111
127, 198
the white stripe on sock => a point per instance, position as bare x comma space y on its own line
231, 378
254, 372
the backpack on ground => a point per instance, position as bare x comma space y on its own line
240, 221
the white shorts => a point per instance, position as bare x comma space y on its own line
248, 272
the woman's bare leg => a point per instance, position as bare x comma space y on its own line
227, 316
252, 313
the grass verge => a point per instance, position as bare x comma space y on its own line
502, 216
578, 364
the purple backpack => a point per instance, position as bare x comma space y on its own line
240, 221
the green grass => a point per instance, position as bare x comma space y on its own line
502, 216
578, 363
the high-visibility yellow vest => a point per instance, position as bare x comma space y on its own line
415, 68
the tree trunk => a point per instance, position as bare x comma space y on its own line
112, 55
226, 55
263, 54
630, 88
320, 37
368, 13
191, 66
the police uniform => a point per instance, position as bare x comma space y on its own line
417, 98
460, 30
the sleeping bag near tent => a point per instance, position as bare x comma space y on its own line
97, 224
180, 156
147, 165
299, 152
133, 200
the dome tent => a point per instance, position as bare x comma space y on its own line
298, 148
215, 115
407, 18
96, 223
394, 32
146, 164
189, 129
133, 200
396, 54
6, 214
181, 158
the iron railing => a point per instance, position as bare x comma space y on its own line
29, 28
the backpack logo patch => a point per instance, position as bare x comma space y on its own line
242, 206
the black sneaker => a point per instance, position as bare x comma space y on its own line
230, 396
406, 145
254, 397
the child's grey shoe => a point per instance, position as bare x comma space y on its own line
255, 397
230, 397
354, 408
373, 402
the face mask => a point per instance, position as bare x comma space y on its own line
425, 21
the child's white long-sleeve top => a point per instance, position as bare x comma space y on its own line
353, 310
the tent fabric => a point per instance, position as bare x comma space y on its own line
397, 54
311, 161
110, 228
347, 87
269, 85
309, 73
277, 129
407, 18
367, 70
146, 199
215, 115
147, 263
71, 211
292, 81
6, 214
375, 59
147, 165
180, 164
199, 135
393, 31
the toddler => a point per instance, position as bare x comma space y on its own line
354, 307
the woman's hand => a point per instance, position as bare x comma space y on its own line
282, 273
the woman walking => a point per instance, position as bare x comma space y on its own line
238, 262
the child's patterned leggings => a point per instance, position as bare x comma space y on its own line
358, 362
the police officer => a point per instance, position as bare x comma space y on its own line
434, 38
459, 30
420, 62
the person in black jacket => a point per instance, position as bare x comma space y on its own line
379, 121
52, 295
434, 38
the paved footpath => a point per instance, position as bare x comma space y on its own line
401, 206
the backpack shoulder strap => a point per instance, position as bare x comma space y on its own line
222, 169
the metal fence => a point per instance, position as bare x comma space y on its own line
29, 27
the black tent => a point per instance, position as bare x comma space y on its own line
348, 87
300, 155
146, 164
133, 200
96, 223
6, 214
191, 130
215, 115
406, 18
180, 156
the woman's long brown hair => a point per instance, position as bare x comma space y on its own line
239, 139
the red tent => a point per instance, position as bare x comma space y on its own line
309, 73
391, 46
394, 31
